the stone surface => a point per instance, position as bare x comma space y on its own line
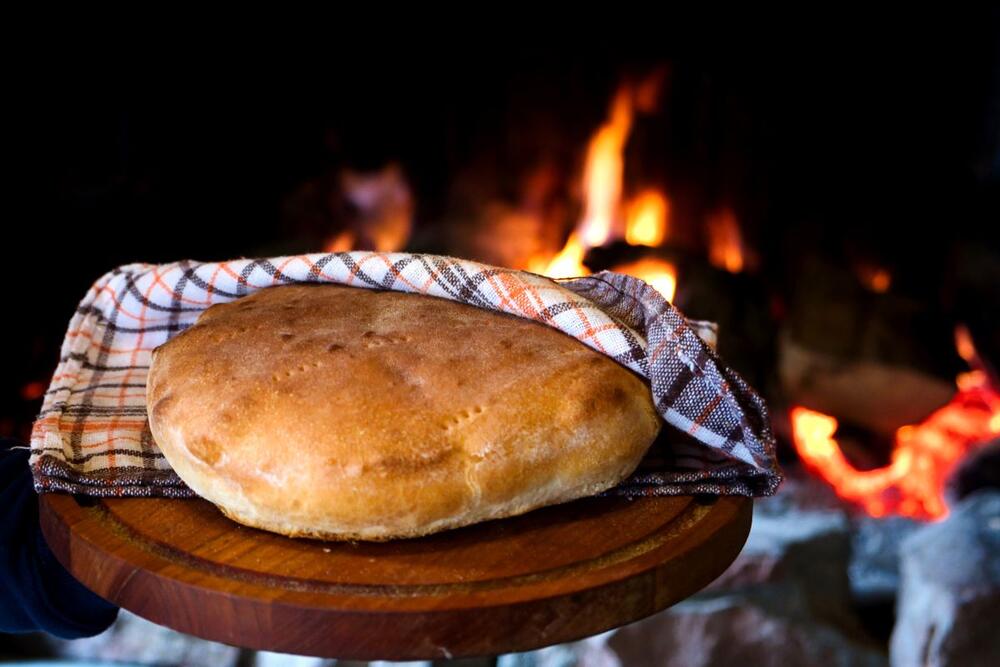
590, 652
808, 547
132, 639
272, 659
769, 626
785, 601
801, 491
874, 567
949, 598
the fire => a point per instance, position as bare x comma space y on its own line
603, 170
341, 242
661, 274
875, 278
923, 455
725, 243
964, 345
646, 215
603, 174
646, 219
568, 263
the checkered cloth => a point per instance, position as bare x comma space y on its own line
92, 436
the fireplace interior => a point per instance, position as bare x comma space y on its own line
838, 216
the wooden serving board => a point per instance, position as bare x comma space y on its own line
553, 575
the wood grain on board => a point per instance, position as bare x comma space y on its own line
553, 575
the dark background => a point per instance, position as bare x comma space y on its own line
878, 142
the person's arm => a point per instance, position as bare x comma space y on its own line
36, 592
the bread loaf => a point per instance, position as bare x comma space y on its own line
344, 413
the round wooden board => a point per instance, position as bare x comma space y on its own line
550, 576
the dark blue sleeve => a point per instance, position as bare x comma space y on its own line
37, 592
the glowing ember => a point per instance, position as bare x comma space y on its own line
33, 391
602, 173
881, 281
662, 275
923, 456
646, 219
725, 244
875, 278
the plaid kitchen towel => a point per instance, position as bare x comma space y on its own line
92, 436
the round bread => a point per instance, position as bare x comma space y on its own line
346, 413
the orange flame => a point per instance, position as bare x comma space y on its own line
923, 455
341, 242
963, 344
602, 188
603, 170
725, 243
568, 263
646, 219
661, 274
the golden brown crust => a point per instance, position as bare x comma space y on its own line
344, 413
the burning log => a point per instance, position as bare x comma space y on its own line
872, 359
644, 218
867, 393
923, 457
